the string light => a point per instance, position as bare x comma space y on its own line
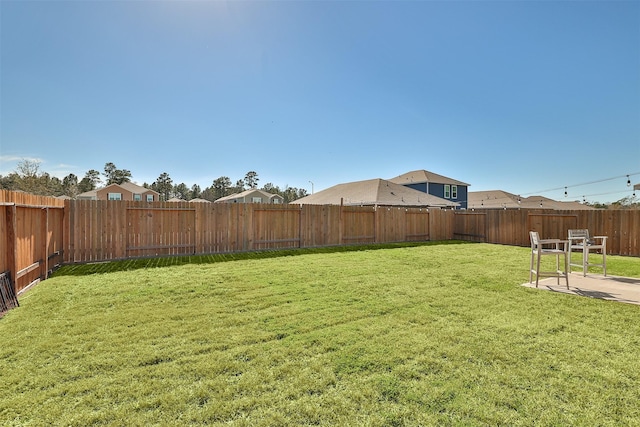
586, 183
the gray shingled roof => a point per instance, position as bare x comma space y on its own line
129, 186
499, 199
134, 188
246, 193
373, 192
420, 176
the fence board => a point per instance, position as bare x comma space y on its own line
358, 225
416, 224
276, 226
470, 226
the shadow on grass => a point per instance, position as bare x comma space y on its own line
167, 261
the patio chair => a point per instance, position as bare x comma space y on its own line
556, 247
579, 240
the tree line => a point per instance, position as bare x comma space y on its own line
29, 178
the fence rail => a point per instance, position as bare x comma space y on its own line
39, 233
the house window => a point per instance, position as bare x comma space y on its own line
276, 201
454, 191
256, 200
137, 197
149, 197
114, 196
447, 191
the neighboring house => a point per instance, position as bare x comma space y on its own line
124, 191
436, 185
374, 192
498, 199
252, 196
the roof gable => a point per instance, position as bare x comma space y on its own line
249, 193
420, 176
131, 187
499, 199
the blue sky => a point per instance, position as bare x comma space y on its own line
522, 96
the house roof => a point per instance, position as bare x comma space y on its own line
246, 193
373, 192
133, 188
499, 199
198, 200
88, 194
420, 176
129, 186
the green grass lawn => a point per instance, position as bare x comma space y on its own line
437, 334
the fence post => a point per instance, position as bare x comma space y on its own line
12, 256
376, 223
44, 242
340, 225
301, 212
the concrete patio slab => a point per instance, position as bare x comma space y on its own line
612, 288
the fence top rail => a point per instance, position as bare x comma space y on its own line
23, 205
552, 214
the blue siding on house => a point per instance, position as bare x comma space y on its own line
438, 190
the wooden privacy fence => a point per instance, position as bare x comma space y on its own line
108, 230
511, 227
31, 237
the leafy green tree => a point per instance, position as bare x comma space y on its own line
53, 184
239, 187
289, 193
70, 185
270, 188
30, 180
196, 192
90, 181
251, 179
115, 175
629, 202
10, 182
163, 185
221, 187
209, 194
181, 191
